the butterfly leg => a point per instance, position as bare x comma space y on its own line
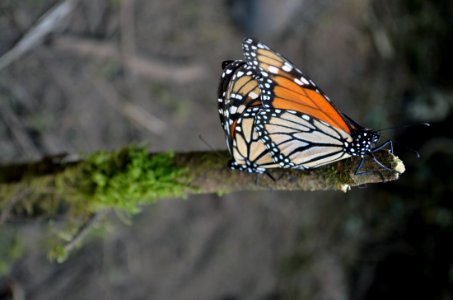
267, 174
380, 164
270, 176
383, 145
359, 167
388, 143
384, 167
287, 175
257, 180
372, 171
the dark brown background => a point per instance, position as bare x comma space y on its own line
384, 63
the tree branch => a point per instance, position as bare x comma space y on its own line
210, 174
79, 191
207, 173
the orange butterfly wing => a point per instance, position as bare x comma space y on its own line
283, 86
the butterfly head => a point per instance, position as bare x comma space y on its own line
363, 142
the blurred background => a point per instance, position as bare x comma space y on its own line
116, 72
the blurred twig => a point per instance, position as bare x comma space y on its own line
83, 231
144, 66
136, 114
18, 131
127, 27
129, 110
45, 25
128, 51
11, 202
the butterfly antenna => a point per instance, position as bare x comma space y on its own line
417, 154
405, 126
205, 142
209, 146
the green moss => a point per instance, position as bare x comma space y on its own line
123, 179
337, 177
57, 253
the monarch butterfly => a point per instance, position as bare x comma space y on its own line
239, 103
297, 122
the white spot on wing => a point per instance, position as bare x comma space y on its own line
253, 95
273, 69
297, 81
304, 80
287, 67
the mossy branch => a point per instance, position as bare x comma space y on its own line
129, 177
209, 174
79, 191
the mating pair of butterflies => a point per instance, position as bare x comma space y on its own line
274, 116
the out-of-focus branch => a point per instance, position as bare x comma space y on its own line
83, 231
45, 25
136, 63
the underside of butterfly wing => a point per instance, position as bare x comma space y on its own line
249, 152
239, 102
297, 140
